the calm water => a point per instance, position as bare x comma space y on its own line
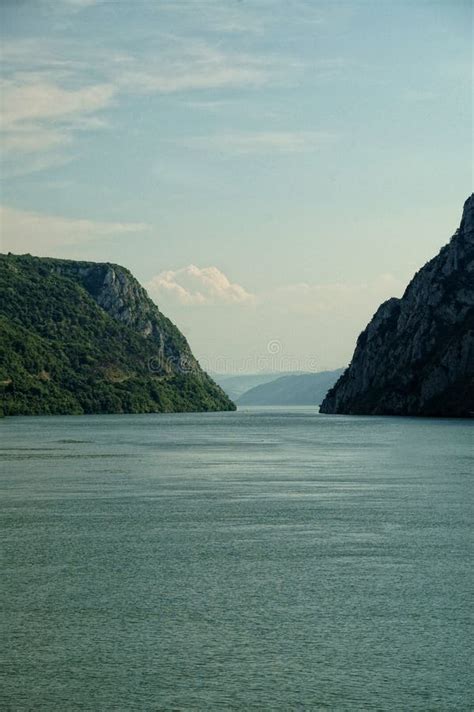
260, 560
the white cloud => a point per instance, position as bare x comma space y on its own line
79, 4
53, 86
23, 231
66, 7
195, 286
317, 323
45, 100
23, 162
31, 139
199, 286
186, 64
253, 18
220, 17
260, 142
34, 59
40, 117
48, 86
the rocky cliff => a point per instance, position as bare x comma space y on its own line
119, 294
416, 357
81, 337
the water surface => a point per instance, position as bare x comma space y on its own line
261, 560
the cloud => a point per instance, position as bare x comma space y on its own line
50, 91
41, 117
195, 286
193, 65
317, 323
254, 18
53, 87
38, 233
198, 286
231, 18
30, 138
23, 163
261, 142
79, 4
45, 100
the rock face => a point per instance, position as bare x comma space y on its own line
119, 294
81, 337
416, 357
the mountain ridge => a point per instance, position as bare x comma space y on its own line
85, 337
416, 356
236, 385
291, 389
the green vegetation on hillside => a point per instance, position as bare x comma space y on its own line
61, 353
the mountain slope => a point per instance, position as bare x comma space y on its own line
235, 386
81, 337
299, 389
416, 357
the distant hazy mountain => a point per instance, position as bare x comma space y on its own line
299, 389
236, 386
416, 357
82, 337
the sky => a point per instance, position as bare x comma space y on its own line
270, 170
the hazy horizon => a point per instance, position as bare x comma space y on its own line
270, 171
